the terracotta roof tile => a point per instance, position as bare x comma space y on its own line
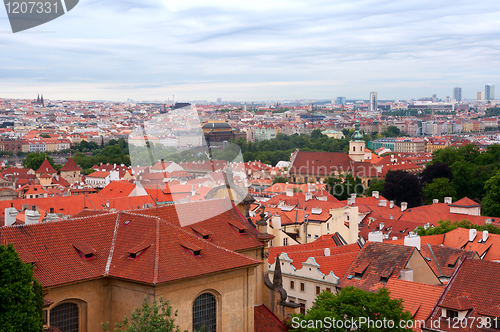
70, 166
470, 289
112, 237
266, 321
46, 167
373, 259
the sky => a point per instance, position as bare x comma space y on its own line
254, 50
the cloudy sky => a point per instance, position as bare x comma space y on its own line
254, 50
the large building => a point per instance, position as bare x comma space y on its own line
341, 100
457, 94
373, 101
489, 92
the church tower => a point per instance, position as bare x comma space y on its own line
357, 145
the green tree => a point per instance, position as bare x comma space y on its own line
445, 226
154, 317
342, 187
45, 135
392, 131
436, 170
439, 189
280, 179
491, 202
21, 299
353, 304
34, 160
401, 186
375, 185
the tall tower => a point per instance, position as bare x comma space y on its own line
357, 145
457, 94
489, 92
373, 101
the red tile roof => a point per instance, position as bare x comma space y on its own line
320, 163
98, 175
70, 166
218, 216
46, 167
375, 260
418, 298
472, 288
338, 262
111, 236
266, 321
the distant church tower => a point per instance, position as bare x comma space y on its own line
357, 145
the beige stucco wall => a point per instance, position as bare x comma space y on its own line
108, 299
421, 270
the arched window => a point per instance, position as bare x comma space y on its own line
205, 313
65, 317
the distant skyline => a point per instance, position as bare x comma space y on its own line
254, 50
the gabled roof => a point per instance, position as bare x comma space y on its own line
70, 166
372, 261
472, 288
110, 237
320, 163
466, 202
46, 167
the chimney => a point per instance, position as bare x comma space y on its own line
327, 252
404, 206
412, 240
382, 202
406, 274
309, 196
375, 194
381, 226
376, 236
435, 201
31, 217
289, 192
391, 204
353, 198
276, 221
472, 234
448, 200
25, 207
10, 215
485, 236
353, 224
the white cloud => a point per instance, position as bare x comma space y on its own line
398, 48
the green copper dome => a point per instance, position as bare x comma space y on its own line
357, 135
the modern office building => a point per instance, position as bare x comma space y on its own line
489, 92
341, 100
457, 94
373, 101
480, 96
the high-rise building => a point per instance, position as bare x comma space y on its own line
341, 100
457, 94
480, 95
489, 92
373, 101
